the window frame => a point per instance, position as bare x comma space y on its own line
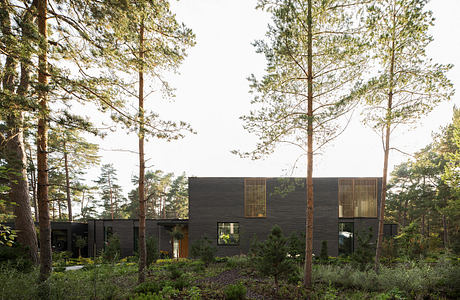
218, 237
246, 211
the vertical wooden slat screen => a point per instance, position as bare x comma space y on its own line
366, 197
346, 205
358, 198
255, 197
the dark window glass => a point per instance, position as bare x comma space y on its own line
345, 238
228, 233
136, 239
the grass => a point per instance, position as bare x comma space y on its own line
190, 279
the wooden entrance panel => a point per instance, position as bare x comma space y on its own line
183, 244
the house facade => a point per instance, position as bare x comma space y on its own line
230, 211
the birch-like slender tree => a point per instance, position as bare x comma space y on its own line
408, 84
314, 59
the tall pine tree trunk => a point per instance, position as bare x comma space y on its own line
386, 155
309, 212
111, 196
142, 245
67, 183
15, 147
33, 182
42, 145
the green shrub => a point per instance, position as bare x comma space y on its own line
147, 296
174, 271
364, 254
270, 256
204, 250
16, 257
237, 262
153, 253
296, 246
194, 293
112, 250
183, 281
149, 287
323, 254
235, 292
80, 243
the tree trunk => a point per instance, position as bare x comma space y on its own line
142, 245
422, 225
386, 155
82, 206
33, 182
444, 232
111, 196
42, 144
67, 183
309, 212
15, 150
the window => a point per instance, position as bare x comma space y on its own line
228, 233
255, 198
357, 198
345, 238
108, 232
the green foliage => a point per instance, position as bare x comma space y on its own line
147, 296
153, 253
16, 257
323, 256
235, 291
411, 243
270, 257
204, 250
194, 293
364, 254
112, 249
153, 287
238, 262
296, 246
174, 271
182, 282
7, 235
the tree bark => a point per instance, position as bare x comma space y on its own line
42, 145
111, 196
309, 212
33, 182
67, 182
15, 147
386, 155
444, 232
142, 245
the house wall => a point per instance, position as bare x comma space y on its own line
221, 199
124, 228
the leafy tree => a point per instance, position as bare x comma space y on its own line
364, 253
270, 256
408, 85
314, 59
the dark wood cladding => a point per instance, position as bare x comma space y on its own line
221, 199
124, 228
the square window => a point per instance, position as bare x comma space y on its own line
228, 233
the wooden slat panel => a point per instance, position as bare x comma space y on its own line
255, 197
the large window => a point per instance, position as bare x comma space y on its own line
345, 238
255, 197
358, 198
228, 233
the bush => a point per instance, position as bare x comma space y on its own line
174, 271
238, 261
16, 257
364, 254
296, 246
182, 282
153, 287
235, 292
323, 254
203, 250
270, 256
112, 249
153, 254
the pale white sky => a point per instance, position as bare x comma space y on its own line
212, 93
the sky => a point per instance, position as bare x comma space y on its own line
212, 93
